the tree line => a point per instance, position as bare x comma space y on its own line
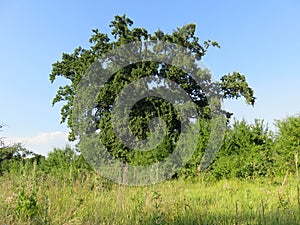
248, 151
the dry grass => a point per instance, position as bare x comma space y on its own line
89, 199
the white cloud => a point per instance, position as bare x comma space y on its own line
43, 142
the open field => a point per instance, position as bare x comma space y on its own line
36, 198
203, 93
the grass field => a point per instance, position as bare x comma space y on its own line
35, 198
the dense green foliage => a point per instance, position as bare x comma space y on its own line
287, 143
74, 66
248, 151
10, 156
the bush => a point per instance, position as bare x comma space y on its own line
247, 151
65, 162
287, 143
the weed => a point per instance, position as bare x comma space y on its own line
27, 205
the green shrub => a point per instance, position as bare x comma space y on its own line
287, 143
247, 151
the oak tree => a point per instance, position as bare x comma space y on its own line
73, 67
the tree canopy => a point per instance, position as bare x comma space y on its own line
73, 67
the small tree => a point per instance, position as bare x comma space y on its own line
287, 143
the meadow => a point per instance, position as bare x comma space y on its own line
31, 196
254, 179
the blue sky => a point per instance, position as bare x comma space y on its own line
259, 38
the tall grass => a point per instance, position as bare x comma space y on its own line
30, 196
